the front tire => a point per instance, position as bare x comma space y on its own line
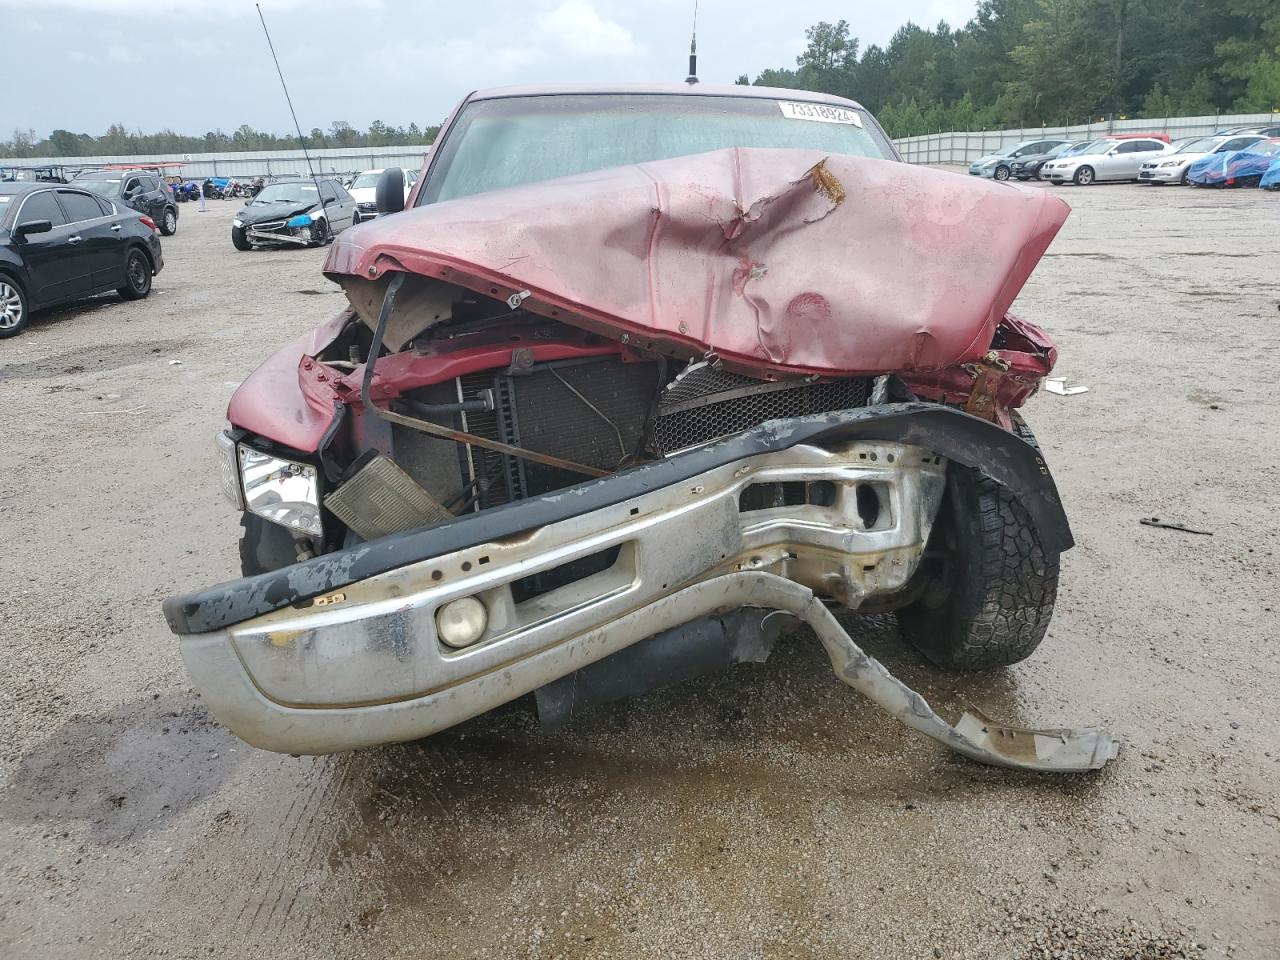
322, 234
990, 587
264, 546
13, 307
239, 240
1002, 173
137, 276
169, 222
1084, 176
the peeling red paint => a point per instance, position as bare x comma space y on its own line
917, 266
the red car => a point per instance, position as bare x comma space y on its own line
634, 370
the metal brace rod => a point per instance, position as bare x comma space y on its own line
457, 436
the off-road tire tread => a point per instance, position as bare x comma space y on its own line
264, 546
1000, 613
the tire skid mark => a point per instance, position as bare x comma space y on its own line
327, 781
277, 871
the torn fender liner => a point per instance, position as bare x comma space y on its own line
953, 434
781, 261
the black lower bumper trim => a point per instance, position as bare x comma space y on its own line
952, 433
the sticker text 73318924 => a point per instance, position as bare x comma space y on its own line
818, 112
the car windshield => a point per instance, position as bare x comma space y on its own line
1264, 146
103, 188
514, 140
1099, 146
1202, 145
1061, 149
287, 193
365, 180
1078, 148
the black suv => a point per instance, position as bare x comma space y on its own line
144, 190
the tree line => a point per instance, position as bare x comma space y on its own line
119, 141
1017, 63
1031, 63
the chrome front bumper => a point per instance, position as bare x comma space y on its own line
365, 665
342, 651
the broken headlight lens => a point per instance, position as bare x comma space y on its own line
282, 491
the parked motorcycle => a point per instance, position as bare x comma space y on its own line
215, 188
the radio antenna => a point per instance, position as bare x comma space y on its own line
692, 78
302, 142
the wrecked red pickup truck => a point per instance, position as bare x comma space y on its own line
641, 376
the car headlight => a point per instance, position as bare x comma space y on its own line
282, 491
1170, 163
237, 223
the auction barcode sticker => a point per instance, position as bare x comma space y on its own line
818, 112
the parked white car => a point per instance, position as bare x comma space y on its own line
364, 190
1106, 160
1174, 168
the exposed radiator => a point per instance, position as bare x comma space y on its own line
592, 412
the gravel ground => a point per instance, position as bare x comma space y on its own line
768, 812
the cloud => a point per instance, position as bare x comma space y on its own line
580, 31
209, 8
119, 53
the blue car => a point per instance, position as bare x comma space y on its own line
1239, 168
1271, 179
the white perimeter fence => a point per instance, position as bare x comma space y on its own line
966, 146
950, 147
244, 166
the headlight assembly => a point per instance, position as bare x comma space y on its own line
282, 491
237, 223
1170, 163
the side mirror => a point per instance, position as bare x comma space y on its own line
389, 194
34, 226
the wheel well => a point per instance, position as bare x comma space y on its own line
136, 245
12, 275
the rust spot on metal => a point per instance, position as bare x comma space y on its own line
826, 182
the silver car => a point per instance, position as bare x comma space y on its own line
1174, 168
1106, 160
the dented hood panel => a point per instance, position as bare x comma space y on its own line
780, 261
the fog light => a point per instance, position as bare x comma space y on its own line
460, 623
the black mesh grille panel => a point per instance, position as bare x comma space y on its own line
705, 403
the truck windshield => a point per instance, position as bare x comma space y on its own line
514, 140
287, 193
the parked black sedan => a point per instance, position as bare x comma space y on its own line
1028, 167
302, 213
143, 190
60, 243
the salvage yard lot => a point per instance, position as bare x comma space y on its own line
767, 812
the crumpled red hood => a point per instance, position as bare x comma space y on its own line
779, 261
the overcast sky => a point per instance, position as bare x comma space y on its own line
198, 65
